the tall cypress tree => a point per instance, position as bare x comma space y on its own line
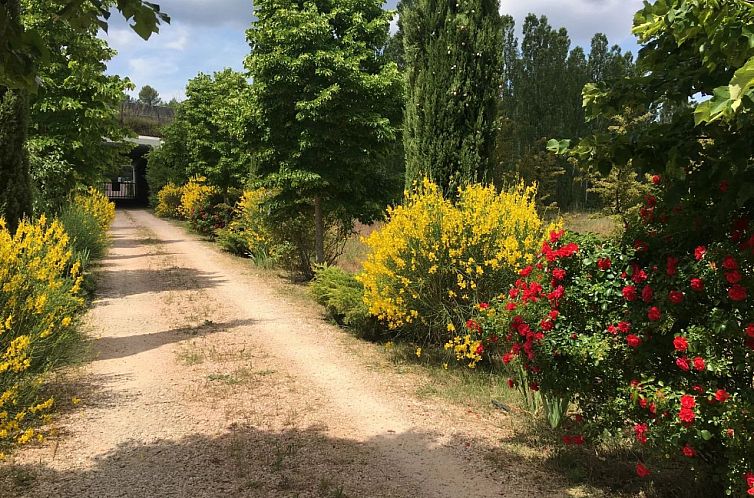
453, 59
15, 182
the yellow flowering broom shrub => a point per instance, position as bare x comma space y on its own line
248, 233
98, 206
169, 201
39, 300
194, 196
435, 259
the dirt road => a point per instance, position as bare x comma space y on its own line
208, 380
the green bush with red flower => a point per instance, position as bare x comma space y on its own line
651, 338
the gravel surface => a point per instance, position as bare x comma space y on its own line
210, 379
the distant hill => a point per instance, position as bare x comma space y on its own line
144, 119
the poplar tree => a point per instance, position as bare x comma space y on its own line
453, 62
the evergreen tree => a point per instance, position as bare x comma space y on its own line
15, 182
149, 96
453, 59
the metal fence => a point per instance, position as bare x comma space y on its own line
119, 190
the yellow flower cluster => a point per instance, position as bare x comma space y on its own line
436, 258
250, 220
465, 348
194, 194
98, 205
39, 295
169, 201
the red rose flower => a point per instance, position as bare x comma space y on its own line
559, 273
633, 340
511, 383
688, 401
654, 313
534, 386
526, 271
510, 306
737, 293
699, 364
688, 451
729, 263
507, 357
641, 432
697, 284
643, 402
553, 314
680, 343
642, 471
733, 277
676, 297
647, 294
699, 252
683, 363
687, 415
629, 293
604, 264
656, 179
750, 330
624, 327
638, 275
612, 329
722, 395
484, 306
749, 479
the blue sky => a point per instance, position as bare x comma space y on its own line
209, 35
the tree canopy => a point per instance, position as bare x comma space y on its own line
453, 60
149, 96
325, 103
23, 49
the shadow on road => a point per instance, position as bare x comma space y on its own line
109, 348
122, 283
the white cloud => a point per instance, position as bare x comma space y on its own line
582, 18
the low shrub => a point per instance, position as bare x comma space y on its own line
39, 300
195, 197
653, 338
86, 219
169, 201
343, 297
98, 206
436, 258
248, 232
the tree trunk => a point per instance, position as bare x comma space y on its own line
319, 231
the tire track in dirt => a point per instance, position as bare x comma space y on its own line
206, 382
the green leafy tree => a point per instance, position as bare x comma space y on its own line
325, 108
22, 52
541, 97
452, 53
169, 163
696, 145
76, 105
149, 96
214, 128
